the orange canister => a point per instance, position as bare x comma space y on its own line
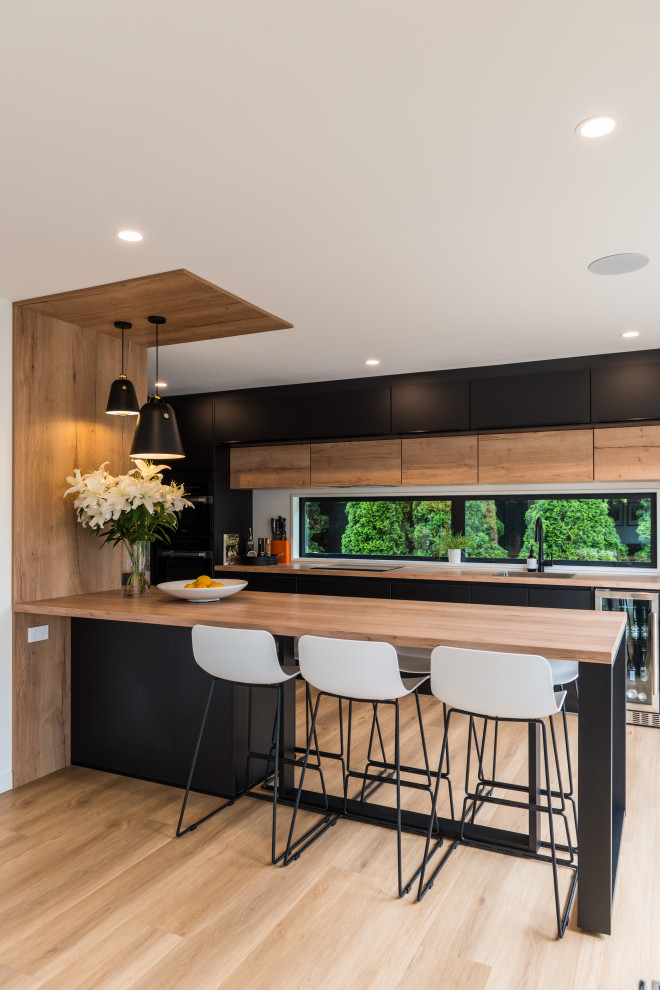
281, 547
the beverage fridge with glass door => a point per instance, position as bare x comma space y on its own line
642, 690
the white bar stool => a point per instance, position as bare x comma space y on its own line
563, 672
509, 687
359, 671
247, 657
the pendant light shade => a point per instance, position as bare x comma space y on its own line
157, 434
122, 400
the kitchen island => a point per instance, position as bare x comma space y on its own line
596, 640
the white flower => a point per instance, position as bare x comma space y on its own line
148, 471
103, 501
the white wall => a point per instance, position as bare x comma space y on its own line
5, 544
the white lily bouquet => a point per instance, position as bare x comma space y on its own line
132, 509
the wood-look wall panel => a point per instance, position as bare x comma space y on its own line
42, 697
280, 466
194, 308
630, 453
358, 462
439, 461
543, 457
62, 375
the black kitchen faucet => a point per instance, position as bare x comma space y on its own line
538, 536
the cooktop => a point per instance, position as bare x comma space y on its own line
350, 566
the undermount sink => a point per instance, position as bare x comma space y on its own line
561, 576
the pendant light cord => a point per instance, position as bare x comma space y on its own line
122, 352
157, 378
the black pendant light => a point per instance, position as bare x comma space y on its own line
157, 434
122, 400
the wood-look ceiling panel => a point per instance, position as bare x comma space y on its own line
194, 308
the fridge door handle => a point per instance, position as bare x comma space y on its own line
654, 652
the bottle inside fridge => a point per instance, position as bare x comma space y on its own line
641, 611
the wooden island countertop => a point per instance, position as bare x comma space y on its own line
556, 634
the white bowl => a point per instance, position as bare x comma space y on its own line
178, 590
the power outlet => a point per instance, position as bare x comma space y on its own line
36, 634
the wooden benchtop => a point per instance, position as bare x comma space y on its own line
439, 572
566, 634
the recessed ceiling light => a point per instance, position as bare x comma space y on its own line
129, 235
596, 126
630, 333
619, 264
372, 361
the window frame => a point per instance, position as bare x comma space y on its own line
458, 505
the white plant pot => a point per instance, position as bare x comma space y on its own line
454, 556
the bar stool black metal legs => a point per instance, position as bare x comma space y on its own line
364, 672
248, 657
508, 688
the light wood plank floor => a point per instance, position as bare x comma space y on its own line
95, 892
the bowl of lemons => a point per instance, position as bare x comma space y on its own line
203, 589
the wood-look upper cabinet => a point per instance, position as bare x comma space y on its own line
631, 453
284, 466
439, 461
358, 462
520, 458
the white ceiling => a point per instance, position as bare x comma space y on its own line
400, 180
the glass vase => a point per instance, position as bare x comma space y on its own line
135, 573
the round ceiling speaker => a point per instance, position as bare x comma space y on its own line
619, 264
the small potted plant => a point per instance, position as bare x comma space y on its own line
453, 545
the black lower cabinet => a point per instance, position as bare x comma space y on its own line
499, 594
431, 591
349, 587
282, 583
137, 699
561, 598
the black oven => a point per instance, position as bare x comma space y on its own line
181, 565
190, 550
197, 522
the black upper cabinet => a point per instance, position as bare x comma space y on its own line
195, 421
551, 398
349, 413
624, 392
431, 407
255, 418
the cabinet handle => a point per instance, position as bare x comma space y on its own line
185, 553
